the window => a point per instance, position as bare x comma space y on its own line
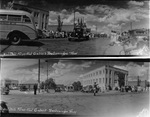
3, 17
15, 18
36, 14
93, 80
106, 80
106, 71
96, 73
93, 74
26, 19
109, 80
99, 72
103, 80
110, 72
99, 80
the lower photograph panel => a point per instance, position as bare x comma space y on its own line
75, 87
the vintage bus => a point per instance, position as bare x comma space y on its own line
16, 25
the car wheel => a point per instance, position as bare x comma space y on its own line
15, 39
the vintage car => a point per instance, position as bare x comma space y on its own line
87, 89
4, 90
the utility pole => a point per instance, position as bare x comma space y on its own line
47, 69
74, 18
39, 75
46, 88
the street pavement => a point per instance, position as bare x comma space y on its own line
108, 104
61, 46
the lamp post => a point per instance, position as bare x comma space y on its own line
39, 75
47, 74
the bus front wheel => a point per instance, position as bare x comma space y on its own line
15, 39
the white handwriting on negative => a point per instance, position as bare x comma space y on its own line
144, 113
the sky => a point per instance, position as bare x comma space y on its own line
99, 15
104, 18
65, 71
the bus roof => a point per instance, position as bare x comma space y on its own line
14, 12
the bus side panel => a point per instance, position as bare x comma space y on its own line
7, 28
4, 31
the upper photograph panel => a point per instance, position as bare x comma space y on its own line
71, 27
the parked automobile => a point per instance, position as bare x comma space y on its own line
139, 88
46, 33
40, 34
128, 88
23, 88
4, 90
58, 89
14, 88
133, 89
88, 89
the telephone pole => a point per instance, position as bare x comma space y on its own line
39, 75
74, 18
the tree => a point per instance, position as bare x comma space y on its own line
42, 85
60, 23
77, 86
50, 84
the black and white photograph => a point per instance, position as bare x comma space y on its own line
71, 87
74, 27
74, 58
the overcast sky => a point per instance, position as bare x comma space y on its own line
103, 15
63, 71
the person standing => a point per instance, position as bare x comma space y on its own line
35, 88
95, 88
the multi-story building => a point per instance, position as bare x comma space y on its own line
106, 76
41, 16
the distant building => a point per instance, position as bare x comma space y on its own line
134, 83
9, 82
29, 84
139, 32
41, 16
105, 76
61, 86
67, 28
69, 88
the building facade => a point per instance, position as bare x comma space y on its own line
105, 76
9, 82
41, 16
67, 28
29, 84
